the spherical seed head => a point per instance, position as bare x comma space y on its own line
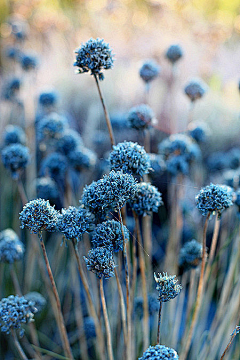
51, 126
11, 89
13, 134
82, 158
195, 89
129, 157
174, 53
146, 200
37, 299
28, 61
149, 71
11, 248
69, 141
190, 254
198, 131
109, 235
55, 166
38, 215
94, 56
48, 98
100, 262
109, 193
140, 117
167, 286
159, 352
46, 189
15, 157
12, 52
73, 222
15, 311
214, 198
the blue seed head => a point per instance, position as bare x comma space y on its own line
37, 299
100, 262
190, 254
167, 286
11, 248
15, 157
195, 89
13, 134
174, 53
140, 117
147, 199
149, 71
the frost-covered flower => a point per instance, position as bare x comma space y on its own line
140, 117
190, 254
198, 131
129, 157
69, 141
109, 235
82, 158
15, 157
46, 188
13, 134
38, 215
15, 311
109, 193
73, 222
147, 199
28, 61
100, 262
195, 89
94, 56
159, 352
37, 299
167, 286
55, 165
48, 98
11, 248
51, 126
214, 198
174, 53
153, 305
149, 70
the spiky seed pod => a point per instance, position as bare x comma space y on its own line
100, 262
15, 157
109, 235
51, 126
140, 117
55, 166
190, 254
174, 53
129, 157
74, 222
69, 141
149, 71
167, 286
15, 311
159, 352
146, 200
214, 198
48, 98
37, 299
38, 215
11, 247
94, 56
195, 89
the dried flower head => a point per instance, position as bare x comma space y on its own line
48, 98
28, 61
82, 158
149, 71
174, 53
69, 141
38, 215
73, 222
195, 89
109, 235
147, 199
15, 157
140, 117
37, 299
11, 248
15, 311
159, 352
11, 89
13, 134
109, 193
199, 131
46, 188
190, 254
129, 157
51, 126
55, 166
167, 286
94, 56
100, 262
214, 198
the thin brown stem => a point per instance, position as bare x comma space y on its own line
108, 121
122, 304
90, 301
159, 322
62, 328
213, 248
18, 346
199, 292
107, 325
230, 342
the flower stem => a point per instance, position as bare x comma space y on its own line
62, 328
18, 346
228, 345
109, 125
120, 292
199, 292
159, 322
105, 314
